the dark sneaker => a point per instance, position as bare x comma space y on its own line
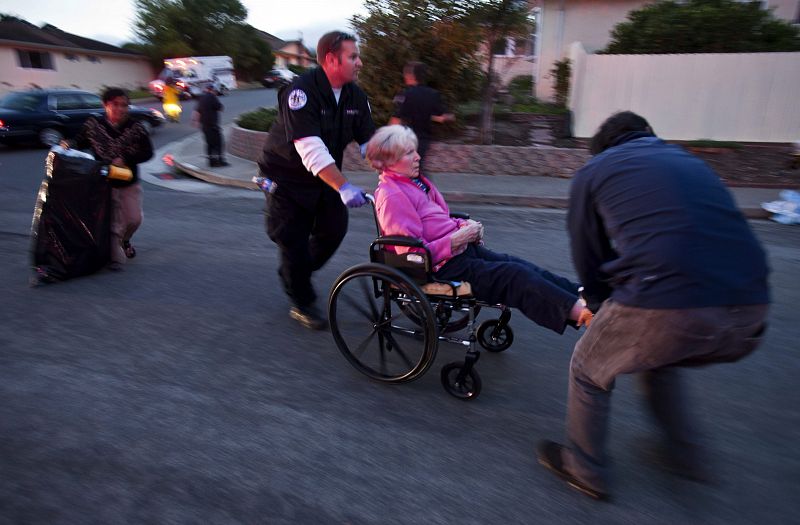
308, 317
679, 465
549, 455
223, 163
130, 251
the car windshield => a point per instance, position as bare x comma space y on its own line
20, 101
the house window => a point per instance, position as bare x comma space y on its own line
71, 57
93, 59
34, 59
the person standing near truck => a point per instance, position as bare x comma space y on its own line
206, 116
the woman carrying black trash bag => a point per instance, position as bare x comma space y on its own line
119, 141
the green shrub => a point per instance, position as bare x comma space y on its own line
259, 120
294, 68
521, 88
139, 93
534, 106
561, 72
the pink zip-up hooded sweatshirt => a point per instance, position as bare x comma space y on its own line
405, 209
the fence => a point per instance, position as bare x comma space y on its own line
743, 97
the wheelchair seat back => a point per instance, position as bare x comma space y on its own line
414, 264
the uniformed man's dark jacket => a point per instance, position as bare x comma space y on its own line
308, 108
208, 106
415, 106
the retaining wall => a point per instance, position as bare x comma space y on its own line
450, 158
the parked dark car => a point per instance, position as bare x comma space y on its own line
48, 115
277, 78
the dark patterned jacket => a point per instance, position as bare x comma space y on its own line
130, 141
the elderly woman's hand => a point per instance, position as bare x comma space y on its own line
470, 232
480, 231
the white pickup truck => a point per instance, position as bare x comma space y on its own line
193, 74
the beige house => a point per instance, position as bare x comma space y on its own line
288, 52
34, 57
562, 22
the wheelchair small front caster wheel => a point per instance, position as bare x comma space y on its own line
468, 388
492, 339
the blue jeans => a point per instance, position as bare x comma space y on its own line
497, 278
625, 340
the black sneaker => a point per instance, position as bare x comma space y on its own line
130, 251
223, 163
549, 455
308, 317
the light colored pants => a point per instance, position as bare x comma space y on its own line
126, 217
625, 340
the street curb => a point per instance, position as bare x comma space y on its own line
202, 174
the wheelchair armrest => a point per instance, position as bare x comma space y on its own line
399, 240
459, 215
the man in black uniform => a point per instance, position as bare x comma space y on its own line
417, 106
206, 115
319, 114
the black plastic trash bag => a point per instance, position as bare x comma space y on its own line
70, 234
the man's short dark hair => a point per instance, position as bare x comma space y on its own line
418, 69
331, 43
112, 93
615, 127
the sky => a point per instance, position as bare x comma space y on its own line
111, 21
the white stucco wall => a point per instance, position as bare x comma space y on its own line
590, 22
566, 21
742, 97
112, 70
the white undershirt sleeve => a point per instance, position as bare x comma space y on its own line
314, 154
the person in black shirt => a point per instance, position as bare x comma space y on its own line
319, 114
206, 115
677, 279
417, 106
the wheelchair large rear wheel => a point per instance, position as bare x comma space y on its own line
382, 323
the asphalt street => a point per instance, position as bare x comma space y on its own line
179, 391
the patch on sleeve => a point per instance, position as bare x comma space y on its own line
297, 99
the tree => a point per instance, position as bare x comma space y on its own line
703, 26
497, 20
173, 28
435, 32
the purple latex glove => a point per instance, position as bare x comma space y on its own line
352, 196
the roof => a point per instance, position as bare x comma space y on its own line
274, 42
20, 31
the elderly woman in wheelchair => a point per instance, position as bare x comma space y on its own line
425, 266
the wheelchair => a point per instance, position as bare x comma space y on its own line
388, 316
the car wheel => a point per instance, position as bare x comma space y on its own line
50, 136
223, 90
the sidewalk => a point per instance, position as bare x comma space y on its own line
465, 188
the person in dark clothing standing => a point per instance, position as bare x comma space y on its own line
417, 106
122, 142
319, 114
658, 241
206, 116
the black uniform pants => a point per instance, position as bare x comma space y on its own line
308, 227
213, 136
